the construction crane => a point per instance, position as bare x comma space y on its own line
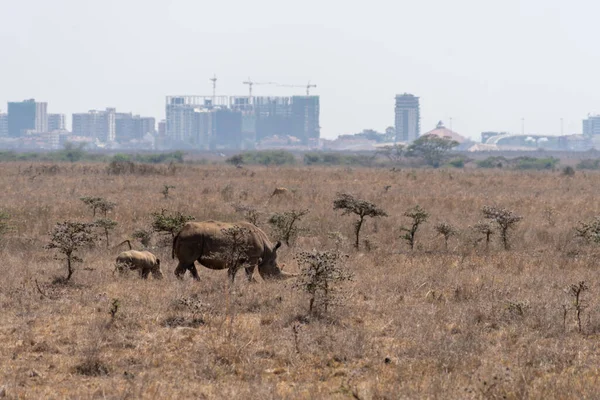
250, 83
214, 85
308, 86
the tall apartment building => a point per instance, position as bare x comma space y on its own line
133, 127
3, 124
98, 125
56, 122
27, 116
408, 118
305, 118
591, 125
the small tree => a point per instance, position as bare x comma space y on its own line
283, 224
361, 208
394, 153
236, 160
68, 237
432, 148
505, 219
165, 223
165, 191
143, 236
250, 213
486, 229
107, 225
446, 230
235, 249
320, 273
418, 216
98, 204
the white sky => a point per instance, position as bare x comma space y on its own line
485, 63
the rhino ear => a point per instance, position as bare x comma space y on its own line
277, 245
157, 261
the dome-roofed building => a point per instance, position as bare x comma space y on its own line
441, 131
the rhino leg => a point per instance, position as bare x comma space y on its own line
249, 273
157, 273
144, 273
180, 270
194, 272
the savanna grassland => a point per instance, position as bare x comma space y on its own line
460, 322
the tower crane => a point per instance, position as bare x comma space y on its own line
251, 83
214, 85
308, 86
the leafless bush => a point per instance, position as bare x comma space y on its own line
250, 213
505, 219
446, 230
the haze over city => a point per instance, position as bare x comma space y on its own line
486, 65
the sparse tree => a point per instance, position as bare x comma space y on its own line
446, 230
486, 229
320, 274
505, 219
68, 237
284, 224
169, 223
98, 204
107, 225
576, 292
165, 191
432, 148
394, 153
418, 216
362, 208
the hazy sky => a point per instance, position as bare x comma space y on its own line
486, 64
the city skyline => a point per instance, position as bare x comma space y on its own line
485, 65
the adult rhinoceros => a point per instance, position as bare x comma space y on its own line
206, 242
144, 261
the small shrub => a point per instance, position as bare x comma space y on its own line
320, 274
505, 219
418, 216
249, 213
68, 237
589, 231
446, 230
235, 249
486, 229
284, 224
568, 171
143, 236
591, 164
165, 191
4, 225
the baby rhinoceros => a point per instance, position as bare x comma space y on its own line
143, 261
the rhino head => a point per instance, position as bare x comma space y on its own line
268, 267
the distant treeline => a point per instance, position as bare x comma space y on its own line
73, 153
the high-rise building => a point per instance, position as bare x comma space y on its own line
591, 125
98, 125
56, 122
133, 127
305, 118
408, 119
3, 124
27, 116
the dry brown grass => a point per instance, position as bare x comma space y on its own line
432, 323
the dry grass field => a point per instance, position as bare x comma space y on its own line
463, 322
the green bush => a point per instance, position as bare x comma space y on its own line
532, 163
269, 157
492, 162
589, 164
